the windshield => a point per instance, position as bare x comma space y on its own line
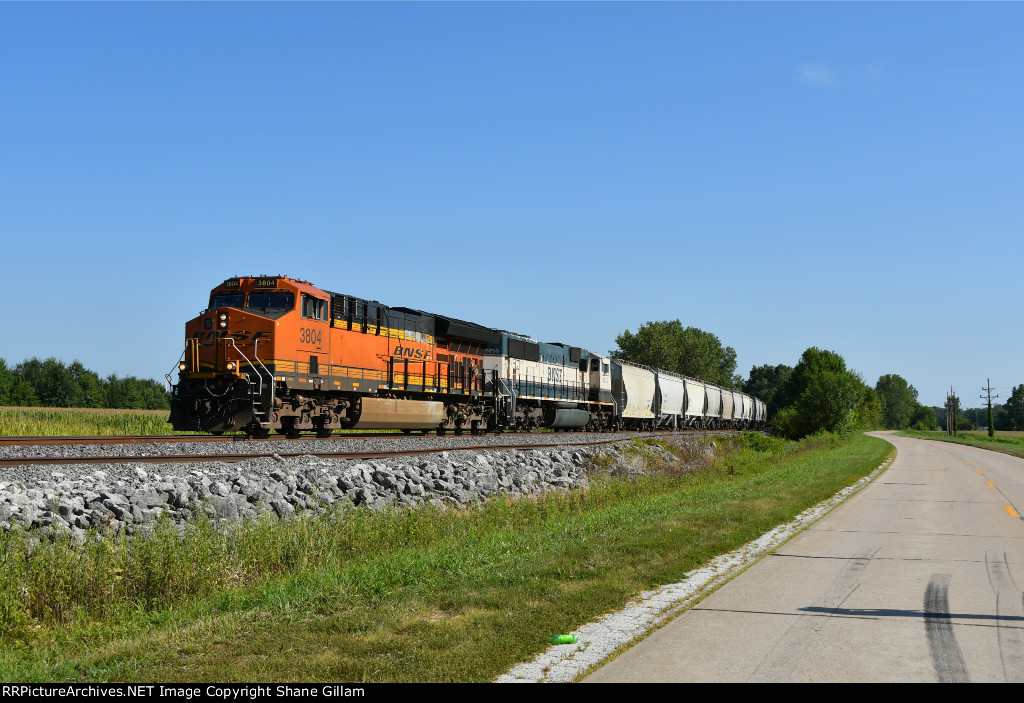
271, 301
229, 300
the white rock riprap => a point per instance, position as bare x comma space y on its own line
74, 498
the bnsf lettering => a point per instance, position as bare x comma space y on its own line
554, 373
309, 336
410, 353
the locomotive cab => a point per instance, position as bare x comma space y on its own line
226, 376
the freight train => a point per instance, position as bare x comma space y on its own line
273, 353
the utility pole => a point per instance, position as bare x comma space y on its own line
952, 411
988, 390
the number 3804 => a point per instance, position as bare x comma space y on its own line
309, 336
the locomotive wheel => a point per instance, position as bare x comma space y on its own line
259, 432
323, 432
216, 433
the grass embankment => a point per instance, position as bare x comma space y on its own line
1006, 442
427, 595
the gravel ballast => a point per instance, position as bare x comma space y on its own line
73, 498
381, 443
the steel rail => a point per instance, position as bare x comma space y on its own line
174, 439
234, 458
47, 441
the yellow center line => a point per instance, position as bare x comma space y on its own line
1013, 513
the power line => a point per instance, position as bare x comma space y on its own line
988, 390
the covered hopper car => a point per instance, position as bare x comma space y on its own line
273, 353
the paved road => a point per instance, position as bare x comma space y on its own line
916, 578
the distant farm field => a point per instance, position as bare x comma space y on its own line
73, 422
49, 422
1006, 442
984, 433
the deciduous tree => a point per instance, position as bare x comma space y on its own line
6, 383
1014, 407
824, 396
924, 418
899, 401
684, 350
767, 382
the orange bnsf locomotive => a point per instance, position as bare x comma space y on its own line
279, 354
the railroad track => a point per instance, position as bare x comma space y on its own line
171, 439
209, 439
232, 458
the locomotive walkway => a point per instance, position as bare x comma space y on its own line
916, 578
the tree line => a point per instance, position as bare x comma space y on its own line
818, 394
51, 383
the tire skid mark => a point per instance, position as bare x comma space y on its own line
947, 659
1009, 603
791, 649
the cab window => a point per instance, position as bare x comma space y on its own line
271, 301
227, 300
314, 308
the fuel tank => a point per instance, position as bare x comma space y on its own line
391, 413
559, 419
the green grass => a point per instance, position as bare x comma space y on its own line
78, 422
425, 595
60, 422
1008, 443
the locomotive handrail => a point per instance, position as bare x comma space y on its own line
177, 365
259, 388
270, 376
510, 394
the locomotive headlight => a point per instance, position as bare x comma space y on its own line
223, 317
230, 366
182, 366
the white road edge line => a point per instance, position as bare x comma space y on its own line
597, 640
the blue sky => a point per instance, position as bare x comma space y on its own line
784, 175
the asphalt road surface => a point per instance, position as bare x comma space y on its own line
916, 578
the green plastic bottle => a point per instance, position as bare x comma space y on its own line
564, 639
